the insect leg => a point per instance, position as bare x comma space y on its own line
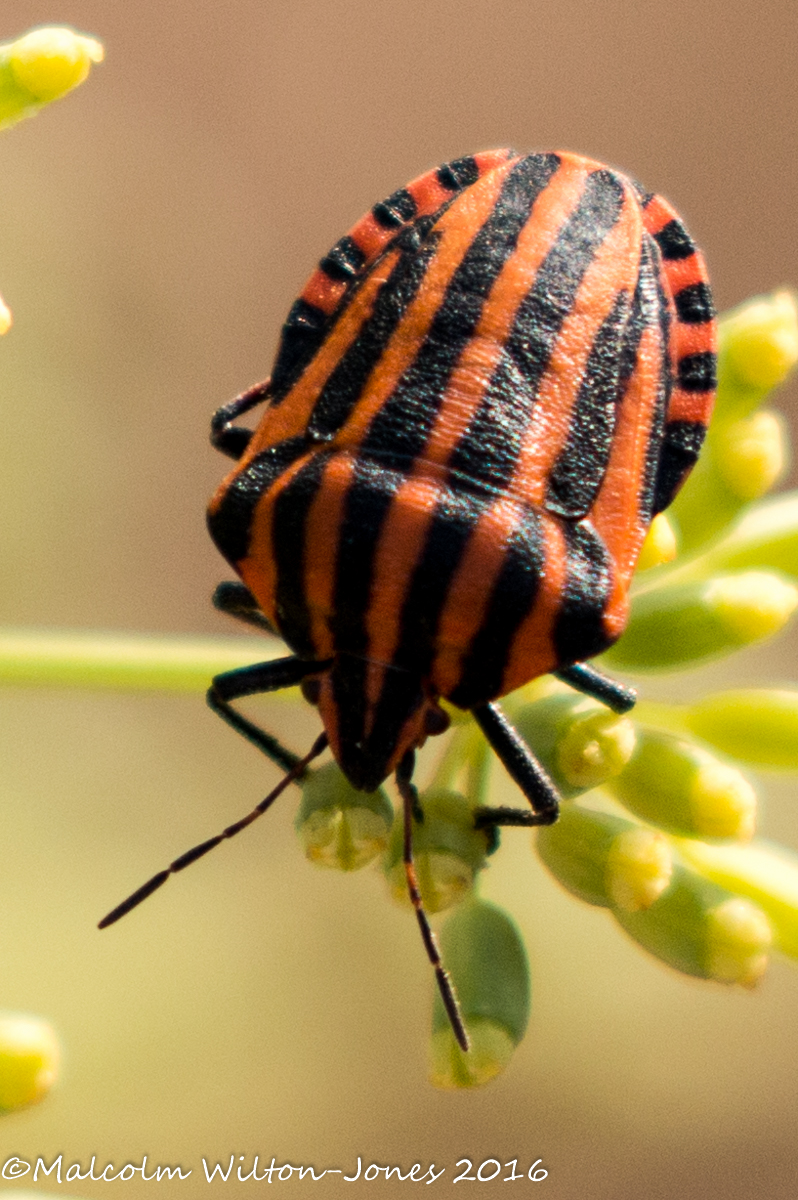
249, 681
523, 767
236, 600
594, 683
409, 794
234, 439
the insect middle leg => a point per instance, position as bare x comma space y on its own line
235, 599
250, 681
522, 767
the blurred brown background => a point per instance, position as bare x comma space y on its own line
155, 228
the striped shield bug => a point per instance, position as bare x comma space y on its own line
485, 392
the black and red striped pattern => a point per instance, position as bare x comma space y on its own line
484, 393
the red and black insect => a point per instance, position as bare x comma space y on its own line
483, 395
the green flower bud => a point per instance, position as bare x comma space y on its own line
685, 789
29, 1058
660, 545
752, 453
41, 66
606, 860
678, 623
339, 826
764, 873
758, 349
755, 725
485, 956
447, 850
578, 740
765, 536
743, 458
700, 929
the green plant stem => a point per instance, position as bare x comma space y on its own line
124, 662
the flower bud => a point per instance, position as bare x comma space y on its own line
578, 740
41, 66
764, 873
6, 320
339, 826
660, 545
678, 623
701, 929
685, 790
447, 851
29, 1057
758, 349
752, 453
485, 956
606, 860
755, 725
765, 536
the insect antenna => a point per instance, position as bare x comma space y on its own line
409, 796
190, 856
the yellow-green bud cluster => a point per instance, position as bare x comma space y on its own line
339, 826
29, 1059
485, 956
447, 849
42, 66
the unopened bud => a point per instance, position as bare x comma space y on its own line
758, 349
447, 851
485, 957
604, 859
579, 741
764, 873
685, 790
660, 545
51, 61
675, 624
752, 453
339, 826
756, 725
29, 1057
700, 929
6, 320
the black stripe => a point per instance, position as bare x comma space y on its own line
344, 261
643, 196
489, 449
289, 527
302, 335
511, 601
698, 372
346, 383
694, 304
579, 630
404, 421
368, 499
655, 311
455, 519
681, 446
229, 525
674, 241
393, 212
458, 174
580, 467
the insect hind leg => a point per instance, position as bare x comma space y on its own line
594, 683
523, 768
237, 601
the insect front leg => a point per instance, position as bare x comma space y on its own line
521, 766
231, 439
594, 683
251, 681
237, 601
